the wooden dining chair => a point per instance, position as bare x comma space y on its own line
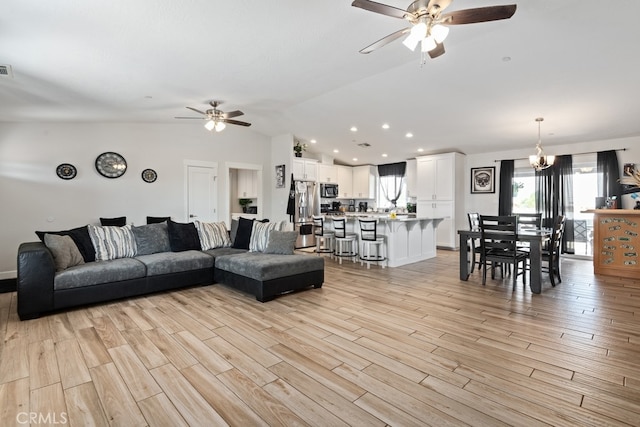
551, 255
498, 241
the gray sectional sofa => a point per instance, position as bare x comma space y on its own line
44, 287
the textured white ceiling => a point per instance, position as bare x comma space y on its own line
293, 67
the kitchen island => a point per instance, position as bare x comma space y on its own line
408, 239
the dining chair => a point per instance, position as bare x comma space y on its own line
498, 241
551, 255
528, 221
346, 242
373, 244
474, 247
324, 238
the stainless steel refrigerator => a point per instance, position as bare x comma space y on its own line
307, 204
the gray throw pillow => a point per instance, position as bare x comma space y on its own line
281, 242
64, 250
151, 238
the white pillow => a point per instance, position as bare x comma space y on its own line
260, 234
112, 242
213, 235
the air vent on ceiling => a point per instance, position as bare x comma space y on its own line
364, 144
5, 71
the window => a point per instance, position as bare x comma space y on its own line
585, 190
388, 185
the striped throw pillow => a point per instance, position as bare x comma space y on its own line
260, 234
213, 235
112, 242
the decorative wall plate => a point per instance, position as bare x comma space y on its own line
111, 165
66, 171
149, 175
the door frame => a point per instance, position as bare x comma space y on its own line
227, 187
203, 164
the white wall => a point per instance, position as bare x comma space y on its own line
34, 198
488, 203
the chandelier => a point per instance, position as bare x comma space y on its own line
540, 161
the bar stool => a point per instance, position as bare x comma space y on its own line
325, 240
373, 244
346, 243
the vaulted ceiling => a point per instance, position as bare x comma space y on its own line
293, 67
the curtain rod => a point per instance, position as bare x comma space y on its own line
574, 154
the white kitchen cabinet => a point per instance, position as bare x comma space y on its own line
364, 182
345, 181
410, 177
327, 174
440, 193
247, 184
305, 169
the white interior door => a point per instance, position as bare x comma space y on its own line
202, 193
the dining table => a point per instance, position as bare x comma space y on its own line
534, 237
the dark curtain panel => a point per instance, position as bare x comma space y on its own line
608, 175
505, 197
392, 169
554, 196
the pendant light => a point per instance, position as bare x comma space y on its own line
540, 161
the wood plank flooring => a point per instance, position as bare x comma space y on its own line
408, 346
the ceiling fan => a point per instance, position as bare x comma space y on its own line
217, 119
429, 24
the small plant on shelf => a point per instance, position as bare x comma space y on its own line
244, 203
299, 148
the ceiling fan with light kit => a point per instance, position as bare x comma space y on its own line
429, 26
217, 119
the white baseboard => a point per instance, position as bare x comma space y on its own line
8, 274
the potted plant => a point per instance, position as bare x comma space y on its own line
299, 148
244, 203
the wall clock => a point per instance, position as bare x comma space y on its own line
66, 171
149, 175
111, 165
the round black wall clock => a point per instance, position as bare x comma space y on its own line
111, 165
66, 171
149, 175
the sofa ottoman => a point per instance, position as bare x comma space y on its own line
268, 275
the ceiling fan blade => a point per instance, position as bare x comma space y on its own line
197, 111
385, 40
197, 118
438, 51
480, 14
380, 8
236, 122
232, 114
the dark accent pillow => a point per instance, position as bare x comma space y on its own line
80, 237
157, 219
281, 242
120, 221
234, 230
243, 235
183, 236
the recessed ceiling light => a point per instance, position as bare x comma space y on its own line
313, 141
420, 150
355, 159
336, 150
506, 58
354, 129
385, 126
409, 135
384, 154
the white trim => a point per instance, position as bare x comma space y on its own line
12, 274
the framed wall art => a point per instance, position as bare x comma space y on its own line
483, 180
279, 176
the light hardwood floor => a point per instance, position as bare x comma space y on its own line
397, 346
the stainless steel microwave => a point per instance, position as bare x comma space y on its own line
328, 190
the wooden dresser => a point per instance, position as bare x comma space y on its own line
616, 243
